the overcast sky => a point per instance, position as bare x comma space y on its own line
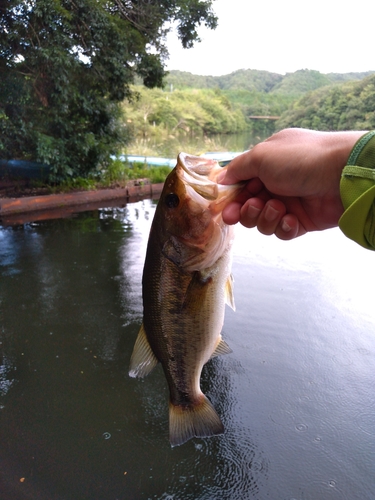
282, 36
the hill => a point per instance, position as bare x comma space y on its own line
252, 80
344, 106
300, 82
243, 79
197, 105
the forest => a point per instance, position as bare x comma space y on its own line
66, 68
195, 105
345, 106
83, 81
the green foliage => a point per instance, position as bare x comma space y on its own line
300, 82
243, 79
161, 115
119, 171
154, 174
66, 66
75, 184
346, 77
254, 103
67, 98
117, 174
250, 79
348, 106
265, 82
180, 80
261, 93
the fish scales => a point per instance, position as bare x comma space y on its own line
186, 283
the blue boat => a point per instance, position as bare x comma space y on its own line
22, 169
222, 158
154, 161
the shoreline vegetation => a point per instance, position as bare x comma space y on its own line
198, 114
119, 175
196, 109
71, 96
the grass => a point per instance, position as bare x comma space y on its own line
119, 171
117, 174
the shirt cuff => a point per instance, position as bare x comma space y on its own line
357, 190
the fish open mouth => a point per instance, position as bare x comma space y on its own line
196, 174
200, 174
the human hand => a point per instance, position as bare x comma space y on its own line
293, 182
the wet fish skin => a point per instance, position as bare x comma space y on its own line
186, 283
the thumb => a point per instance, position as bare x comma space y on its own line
238, 170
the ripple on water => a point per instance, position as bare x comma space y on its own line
283, 417
225, 468
325, 488
365, 420
300, 427
318, 425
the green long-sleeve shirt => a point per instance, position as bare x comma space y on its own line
357, 189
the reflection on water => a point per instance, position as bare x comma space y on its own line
296, 395
174, 144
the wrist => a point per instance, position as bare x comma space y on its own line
342, 147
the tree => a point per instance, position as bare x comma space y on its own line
346, 106
65, 65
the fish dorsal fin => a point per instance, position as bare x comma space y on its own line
229, 297
143, 360
221, 348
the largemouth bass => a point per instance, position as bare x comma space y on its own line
186, 283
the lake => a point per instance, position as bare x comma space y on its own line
296, 395
196, 145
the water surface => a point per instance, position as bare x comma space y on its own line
296, 395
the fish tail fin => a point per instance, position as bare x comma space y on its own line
196, 420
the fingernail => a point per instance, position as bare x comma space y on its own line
285, 226
253, 212
270, 213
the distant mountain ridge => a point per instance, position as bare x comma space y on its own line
296, 83
258, 101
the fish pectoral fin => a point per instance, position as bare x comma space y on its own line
229, 297
196, 420
221, 348
143, 360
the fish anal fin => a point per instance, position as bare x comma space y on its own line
229, 297
196, 420
143, 360
221, 348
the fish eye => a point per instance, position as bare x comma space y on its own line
172, 200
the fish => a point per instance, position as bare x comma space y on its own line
186, 283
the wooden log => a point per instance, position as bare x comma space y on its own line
32, 208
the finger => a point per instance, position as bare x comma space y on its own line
239, 169
254, 187
231, 213
289, 228
250, 212
271, 216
